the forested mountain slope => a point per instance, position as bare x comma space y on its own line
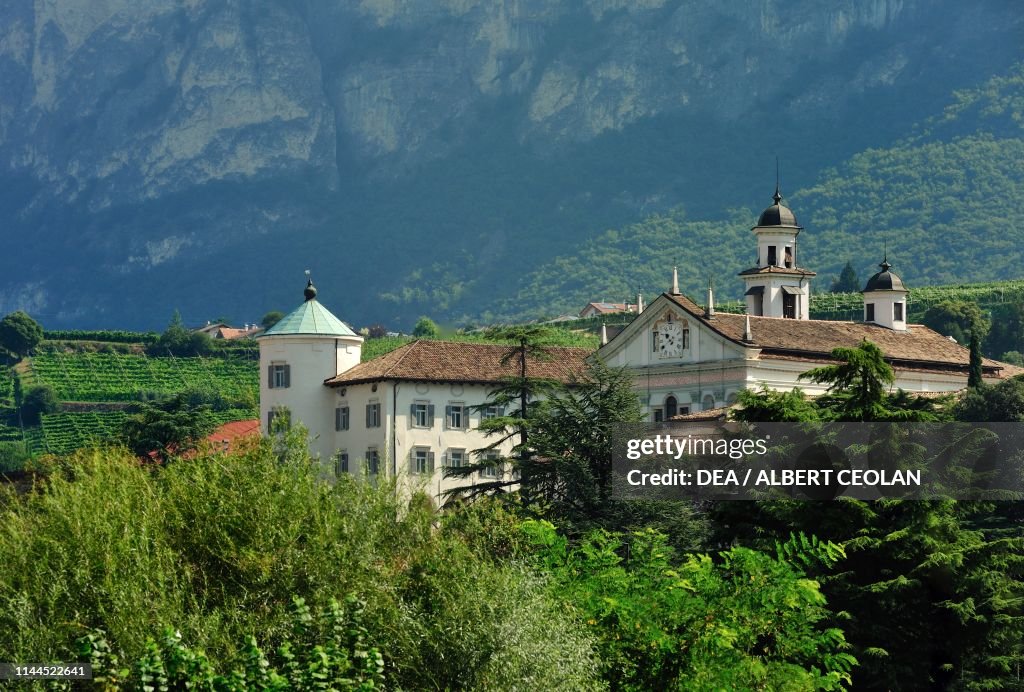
424, 156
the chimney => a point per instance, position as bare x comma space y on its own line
604, 334
747, 336
675, 281
709, 311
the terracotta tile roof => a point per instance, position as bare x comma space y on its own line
720, 413
772, 269
229, 432
446, 361
919, 347
608, 308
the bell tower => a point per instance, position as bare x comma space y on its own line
777, 286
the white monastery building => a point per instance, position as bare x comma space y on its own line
411, 412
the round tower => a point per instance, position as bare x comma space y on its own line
308, 346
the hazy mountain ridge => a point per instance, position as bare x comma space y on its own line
420, 156
946, 208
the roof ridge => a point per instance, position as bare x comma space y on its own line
408, 349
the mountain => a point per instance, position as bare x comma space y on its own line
439, 157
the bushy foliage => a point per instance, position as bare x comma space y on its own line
37, 401
19, 334
218, 546
958, 319
928, 599
426, 328
328, 650
740, 620
178, 340
1001, 402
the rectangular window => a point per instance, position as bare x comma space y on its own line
686, 339
869, 312
421, 414
489, 412
274, 414
654, 342
491, 470
455, 416
422, 461
659, 415
341, 418
342, 463
373, 415
789, 306
373, 461
788, 258
771, 255
279, 376
455, 459
897, 312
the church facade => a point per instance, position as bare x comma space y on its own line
686, 358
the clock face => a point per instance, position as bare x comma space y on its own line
670, 340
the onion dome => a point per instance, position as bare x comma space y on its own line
884, 280
777, 214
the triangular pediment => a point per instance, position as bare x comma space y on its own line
637, 345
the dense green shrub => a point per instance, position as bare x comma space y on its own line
741, 620
326, 651
38, 401
218, 546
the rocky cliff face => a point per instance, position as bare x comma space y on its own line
201, 154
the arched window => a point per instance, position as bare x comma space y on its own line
708, 403
671, 407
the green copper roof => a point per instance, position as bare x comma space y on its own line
310, 318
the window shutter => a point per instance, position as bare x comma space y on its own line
368, 415
430, 462
501, 411
412, 414
412, 461
430, 415
270, 421
337, 419
287, 376
448, 416
270, 376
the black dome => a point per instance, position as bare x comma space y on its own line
778, 214
884, 280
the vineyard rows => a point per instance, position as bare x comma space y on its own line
130, 377
65, 432
6, 387
9, 433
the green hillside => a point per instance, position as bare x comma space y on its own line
947, 203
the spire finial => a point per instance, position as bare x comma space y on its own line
778, 195
885, 257
675, 281
310, 292
709, 311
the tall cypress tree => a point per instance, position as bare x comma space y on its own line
974, 377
